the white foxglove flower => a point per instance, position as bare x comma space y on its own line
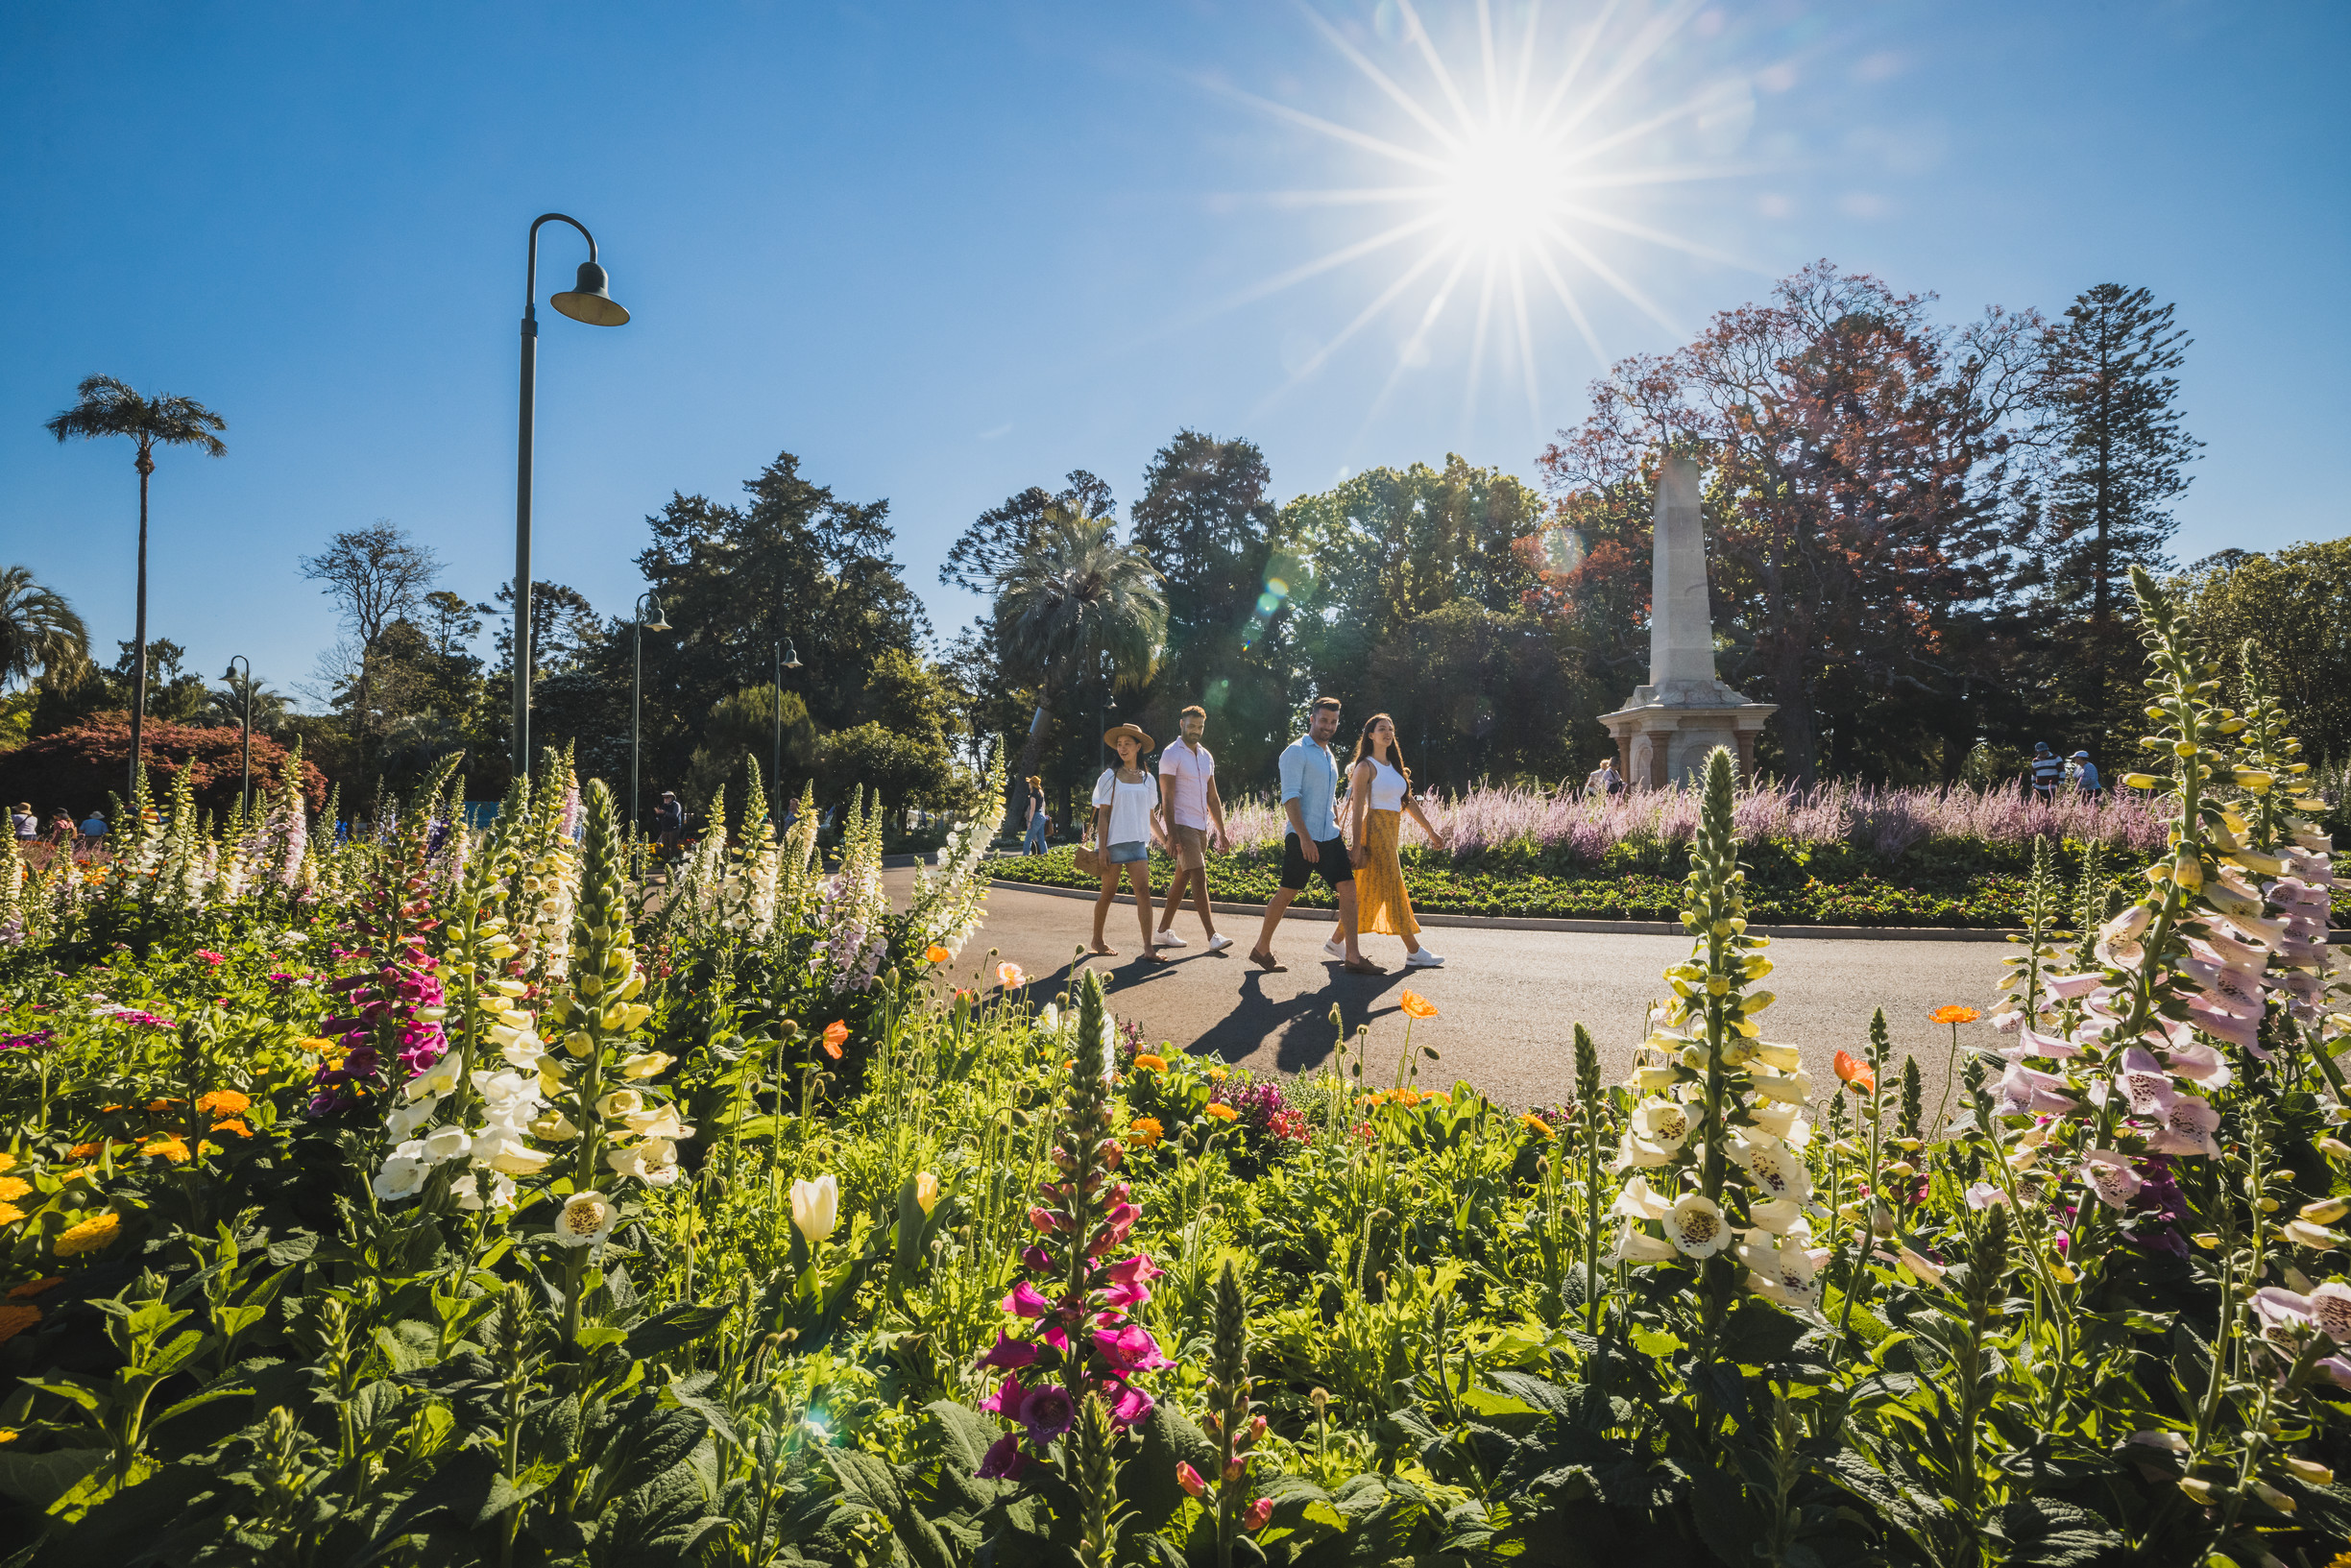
1665, 1123
1633, 1152
1638, 1201
1772, 1166
446, 1144
404, 1119
645, 1065
402, 1174
1778, 1215
1788, 1088
471, 1198
621, 1104
587, 1220
502, 1150
1697, 1227
440, 1079
661, 1122
1636, 1245
653, 1162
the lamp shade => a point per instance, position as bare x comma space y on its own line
660, 623
791, 655
591, 299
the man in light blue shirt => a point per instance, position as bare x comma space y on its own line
1312, 846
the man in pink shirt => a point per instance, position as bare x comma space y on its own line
1189, 806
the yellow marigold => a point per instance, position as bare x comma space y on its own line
168, 1146
14, 1321
85, 1151
317, 1045
1535, 1124
13, 1187
1954, 1013
1150, 1062
8, 1161
233, 1125
1217, 1075
1223, 1113
89, 1236
1146, 1131
9, 1214
34, 1286
223, 1102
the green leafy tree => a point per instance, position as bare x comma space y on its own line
1208, 523
40, 636
2121, 453
1000, 535
1081, 609
108, 407
2295, 604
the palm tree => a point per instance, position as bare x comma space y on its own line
110, 408
39, 632
1075, 597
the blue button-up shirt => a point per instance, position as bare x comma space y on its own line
1311, 777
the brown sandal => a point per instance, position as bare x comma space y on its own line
1269, 963
1362, 966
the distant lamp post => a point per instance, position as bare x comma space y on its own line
647, 604
589, 301
246, 796
787, 657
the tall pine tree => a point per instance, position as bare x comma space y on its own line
2121, 456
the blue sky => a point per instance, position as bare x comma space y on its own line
945, 252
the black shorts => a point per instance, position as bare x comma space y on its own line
1333, 867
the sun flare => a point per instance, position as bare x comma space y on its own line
1505, 169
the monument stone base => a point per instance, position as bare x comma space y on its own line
1665, 732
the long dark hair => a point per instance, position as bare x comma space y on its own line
1395, 750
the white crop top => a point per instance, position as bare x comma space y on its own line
1387, 788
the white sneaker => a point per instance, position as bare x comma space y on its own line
1169, 939
1219, 943
1423, 959
1336, 950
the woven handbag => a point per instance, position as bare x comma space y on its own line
1087, 862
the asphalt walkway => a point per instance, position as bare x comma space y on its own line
1507, 1001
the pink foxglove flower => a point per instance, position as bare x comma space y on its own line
2109, 1174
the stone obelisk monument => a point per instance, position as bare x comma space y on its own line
1665, 729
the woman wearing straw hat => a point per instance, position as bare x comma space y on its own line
1125, 803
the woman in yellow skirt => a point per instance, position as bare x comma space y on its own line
1379, 793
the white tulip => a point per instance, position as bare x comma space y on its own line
815, 1207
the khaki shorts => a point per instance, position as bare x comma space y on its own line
1191, 848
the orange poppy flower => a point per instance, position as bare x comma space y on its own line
1416, 1005
935, 954
835, 1035
1859, 1075
1955, 1014
1010, 976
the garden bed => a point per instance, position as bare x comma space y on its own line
1985, 900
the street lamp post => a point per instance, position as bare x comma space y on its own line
637, 696
246, 797
588, 301
787, 656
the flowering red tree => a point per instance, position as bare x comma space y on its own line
1861, 498
75, 768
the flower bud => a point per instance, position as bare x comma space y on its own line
2199, 1489
2335, 1146
2271, 1495
2309, 1470
2325, 1212
1188, 1480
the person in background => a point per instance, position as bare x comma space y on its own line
1125, 804
26, 824
2083, 775
668, 821
1190, 806
1033, 802
1605, 780
2047, 770
93, 832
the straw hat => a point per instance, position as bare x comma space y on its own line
1110, 736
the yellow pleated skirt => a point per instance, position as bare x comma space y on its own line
1382, 908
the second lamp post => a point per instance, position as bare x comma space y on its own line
644, 601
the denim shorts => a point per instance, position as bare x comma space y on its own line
1120, 854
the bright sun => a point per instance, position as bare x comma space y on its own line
1498, 190
1504, 176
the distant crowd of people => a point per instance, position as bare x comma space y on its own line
65, 835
